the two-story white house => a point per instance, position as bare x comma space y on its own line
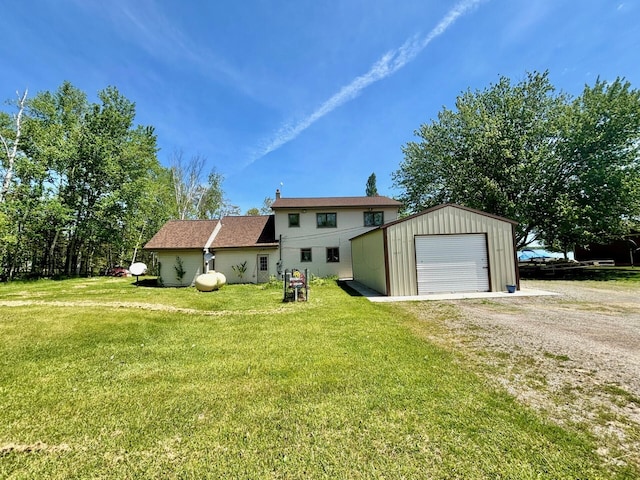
447, 248
314, 233
302, 233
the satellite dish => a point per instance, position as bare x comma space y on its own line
208, 257
137, 268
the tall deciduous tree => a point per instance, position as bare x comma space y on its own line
80, 181
565, 169
10, 146
41, 217
266, 206
495, 153
10, 133
265, 209
195, 197
599, 168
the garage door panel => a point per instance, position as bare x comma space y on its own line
452, 263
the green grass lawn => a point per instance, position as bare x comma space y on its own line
103, 379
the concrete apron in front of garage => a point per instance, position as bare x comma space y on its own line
374, 296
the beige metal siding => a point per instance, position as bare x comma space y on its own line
452, 263
448, 220
367, 256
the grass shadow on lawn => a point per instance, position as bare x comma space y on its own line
147, 283
347, 289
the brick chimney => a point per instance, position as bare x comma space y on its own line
277, 194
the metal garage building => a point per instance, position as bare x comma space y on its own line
447, 248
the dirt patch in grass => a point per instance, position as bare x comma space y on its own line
38, 447
574, 357
135, 305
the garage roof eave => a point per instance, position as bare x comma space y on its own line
433, 209
444, 205
375, 229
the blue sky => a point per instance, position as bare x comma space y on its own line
313, 95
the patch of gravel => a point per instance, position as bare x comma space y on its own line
574, 357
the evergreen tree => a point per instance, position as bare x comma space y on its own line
372, 189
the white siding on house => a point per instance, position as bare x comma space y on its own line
226, 259
350, 223
192, 264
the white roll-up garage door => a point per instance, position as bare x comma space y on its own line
452, 263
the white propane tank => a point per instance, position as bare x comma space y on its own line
207, 282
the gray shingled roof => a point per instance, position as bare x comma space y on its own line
335, 202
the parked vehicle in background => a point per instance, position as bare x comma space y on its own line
118, 271
538, 255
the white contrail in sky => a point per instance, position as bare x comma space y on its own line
388, 64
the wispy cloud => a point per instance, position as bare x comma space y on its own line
388, 64
146, 24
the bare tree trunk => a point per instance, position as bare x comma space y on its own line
135, 250
78, 263
12, 152
52, 252
72, 254
12, 269
89, 262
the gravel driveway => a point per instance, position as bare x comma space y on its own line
574, 357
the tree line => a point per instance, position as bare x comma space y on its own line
566, 169
82, 187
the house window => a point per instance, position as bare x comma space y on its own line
264, 263
373, 219
305, 254
294, 219
326, 220
333, 254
